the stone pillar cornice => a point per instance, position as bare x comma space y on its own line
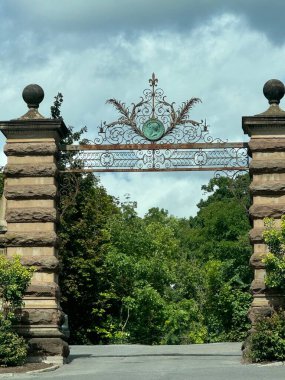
263, 125
33, 128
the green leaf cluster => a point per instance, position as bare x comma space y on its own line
14, 280
267, 342
13, 348
275, 260
157, 279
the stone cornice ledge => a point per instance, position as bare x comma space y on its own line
21, 127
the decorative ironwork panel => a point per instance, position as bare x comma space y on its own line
154, 135
153, 119
159, 160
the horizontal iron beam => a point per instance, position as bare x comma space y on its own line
153, 146
204, 169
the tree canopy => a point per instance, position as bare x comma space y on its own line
158, 278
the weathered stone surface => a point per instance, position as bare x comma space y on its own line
48, 170
27, 128
40, 317
40, 331
43, 290
48, 347
30, 149
30, 192
267, 145
257, 312
262, 211
36, 239
265, 124
267, 166
269, 187
33, 214
42, 263
255, 235
257, 286
256, 260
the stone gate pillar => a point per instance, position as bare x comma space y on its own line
30, 189
267, 170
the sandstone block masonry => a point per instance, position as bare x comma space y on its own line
267, 171
30, 190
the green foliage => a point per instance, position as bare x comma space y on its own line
55, 108
217, 240
13, 349
146, 309
275, 260
82, 232
275, 271
267, 343
193, 274
84, 210
14, 280
157, 279
184, 323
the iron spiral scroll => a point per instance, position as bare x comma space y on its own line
153, 119
227, 158
154, 135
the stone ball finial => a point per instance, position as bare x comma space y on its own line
33, 95
274, 91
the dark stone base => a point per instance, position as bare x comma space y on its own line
42, 348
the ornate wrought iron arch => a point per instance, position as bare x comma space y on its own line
153, 135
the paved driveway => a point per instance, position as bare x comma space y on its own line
220, 361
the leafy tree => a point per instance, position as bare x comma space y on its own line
157, 279
202, 262
218, 241
82, 233
84, 210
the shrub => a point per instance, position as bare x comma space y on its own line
267, 342
14, 280
13, 349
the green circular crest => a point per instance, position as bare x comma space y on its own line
153, 129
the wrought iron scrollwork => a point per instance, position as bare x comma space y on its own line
161, 159
153, 119
153, 135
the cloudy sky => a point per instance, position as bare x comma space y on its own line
222, 51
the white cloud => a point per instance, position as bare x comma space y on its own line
223, 61
178, 193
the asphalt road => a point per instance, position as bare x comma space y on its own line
219, 361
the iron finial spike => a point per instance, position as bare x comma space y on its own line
153, 81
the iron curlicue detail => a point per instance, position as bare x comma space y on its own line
226, 159
153, 119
